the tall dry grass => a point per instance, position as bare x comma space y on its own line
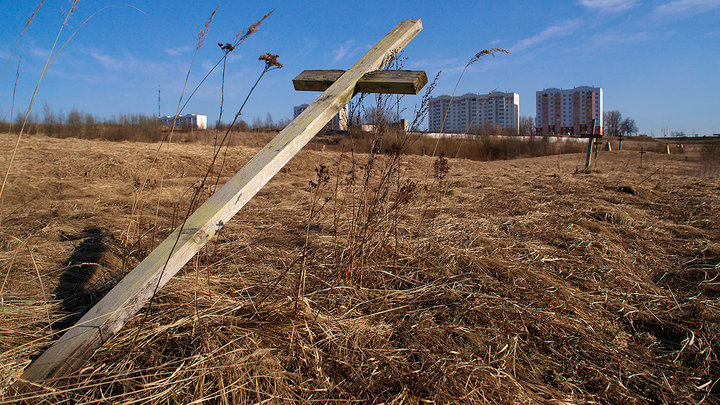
498, 282
710, 159
482, 148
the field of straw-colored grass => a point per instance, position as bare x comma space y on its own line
503, 282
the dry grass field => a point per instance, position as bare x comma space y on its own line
520, 281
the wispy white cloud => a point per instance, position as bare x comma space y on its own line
207, 64
41, 53
178, 50
235, 55
346, 49
616, 38
609, 6
433, 64
128, 62
106, 60
687, 6
554, 31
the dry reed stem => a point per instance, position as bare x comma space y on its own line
472, 61
51, 57
181, 107
27, 24
32, 99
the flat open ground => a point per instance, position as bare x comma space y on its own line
504, 282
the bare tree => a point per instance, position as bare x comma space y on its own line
257, 124
612, 120
627, 126
527, 126
269, 123
74, 122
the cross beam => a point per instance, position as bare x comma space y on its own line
379, 81
109, 315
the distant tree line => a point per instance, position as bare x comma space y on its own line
526, 128
258, 124
79, 124
489, 128
614, 125
122, 127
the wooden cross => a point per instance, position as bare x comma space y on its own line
109, 315
592, 143
642, 152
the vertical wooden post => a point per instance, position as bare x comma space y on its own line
642, 152
588, 156
597, 142
591, 142
111, 313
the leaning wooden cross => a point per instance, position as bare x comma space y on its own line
592, 143
108, 316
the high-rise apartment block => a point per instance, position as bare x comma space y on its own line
474, 110
570, 111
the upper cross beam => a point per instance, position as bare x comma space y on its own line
378, 81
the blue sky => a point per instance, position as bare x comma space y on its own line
657, 61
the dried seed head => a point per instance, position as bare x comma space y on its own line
270, 61
441, 166
32, 16
240, 37
489, 51
203, 32
227, 48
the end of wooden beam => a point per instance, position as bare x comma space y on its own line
392, 82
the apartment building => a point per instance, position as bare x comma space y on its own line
338, 123
190, 121
474, 110
571, 111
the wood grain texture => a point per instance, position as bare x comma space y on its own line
379, 81
111, 313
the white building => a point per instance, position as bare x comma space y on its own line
571, 111
474, 110
193, 121
338, 123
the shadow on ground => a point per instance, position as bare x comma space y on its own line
90, 272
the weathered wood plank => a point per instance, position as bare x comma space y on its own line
392, 82
379, 81
316, 80
109, 315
